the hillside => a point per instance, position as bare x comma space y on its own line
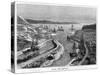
21, 20
93, 26
47, 22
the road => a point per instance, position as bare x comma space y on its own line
86, 54
42, 55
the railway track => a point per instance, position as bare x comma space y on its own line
42, 55
39, 45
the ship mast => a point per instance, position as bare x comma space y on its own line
72, 27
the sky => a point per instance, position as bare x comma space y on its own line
57, 13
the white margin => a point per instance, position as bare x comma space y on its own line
48, 69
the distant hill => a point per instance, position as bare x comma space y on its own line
92, 26
21, 20
47, 22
